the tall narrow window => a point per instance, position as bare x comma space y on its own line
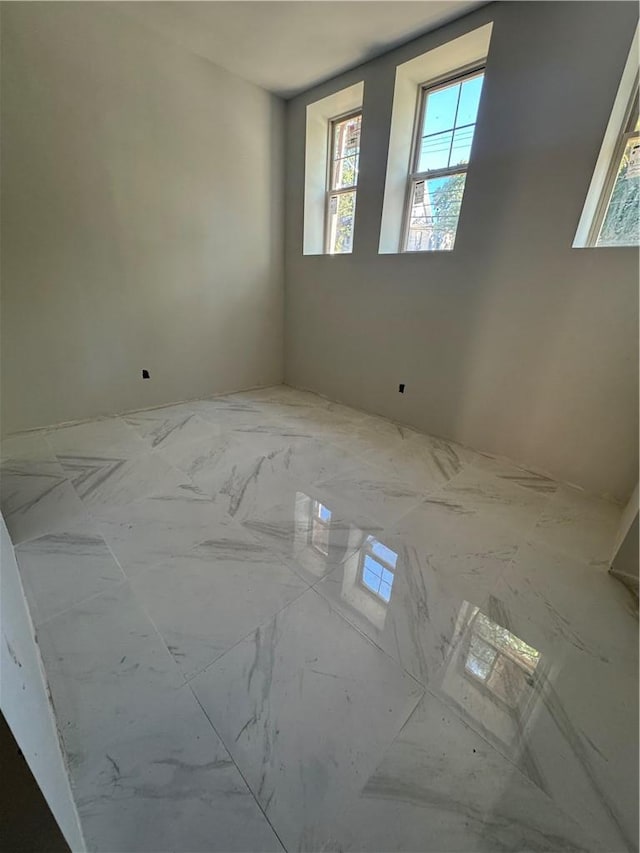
442, 148
617, 218
344, 157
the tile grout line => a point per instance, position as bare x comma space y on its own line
228, 751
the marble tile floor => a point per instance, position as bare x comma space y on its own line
272, 622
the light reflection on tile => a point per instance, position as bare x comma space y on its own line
308, 531
441, 787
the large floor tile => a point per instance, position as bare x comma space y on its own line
307, 530
366, 434
148, 771
393, 593
234, 469
63, 568
534, 709
516, 501
95, 438
425, 462
559, 601
153, 528
36, 498
172, 787
579, 525
104, 482
307, 707
311, 459
372, 492
233, 411
205, 600
466, 549
169, 425
440, 787
27, 446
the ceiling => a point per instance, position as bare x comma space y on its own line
287, 47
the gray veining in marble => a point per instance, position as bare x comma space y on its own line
36, 498
305, 705
155, 527
64, 568
205, 600
439, 780
148, 770
170, 425
108, 480
269, 620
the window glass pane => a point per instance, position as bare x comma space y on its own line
320, 537
461, 148
376, 578
387, 576
469, 100
434, 151
482, 650
372, 566
434, 213
345, 152
342, 209
324, 513
371, 580
622, 220
454, 107
382, 551
385, 591
479, 668
440, 109
345, 172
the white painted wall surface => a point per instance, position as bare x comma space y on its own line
625, 562
514, 342
24, 697
141, 219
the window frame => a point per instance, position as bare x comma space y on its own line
626, 133
335, 120
414, 177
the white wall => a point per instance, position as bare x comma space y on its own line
514, 342
24, 698
141, 219
625, 563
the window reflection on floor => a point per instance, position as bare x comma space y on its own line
499, 660
493, 677
320, 527
377, 567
